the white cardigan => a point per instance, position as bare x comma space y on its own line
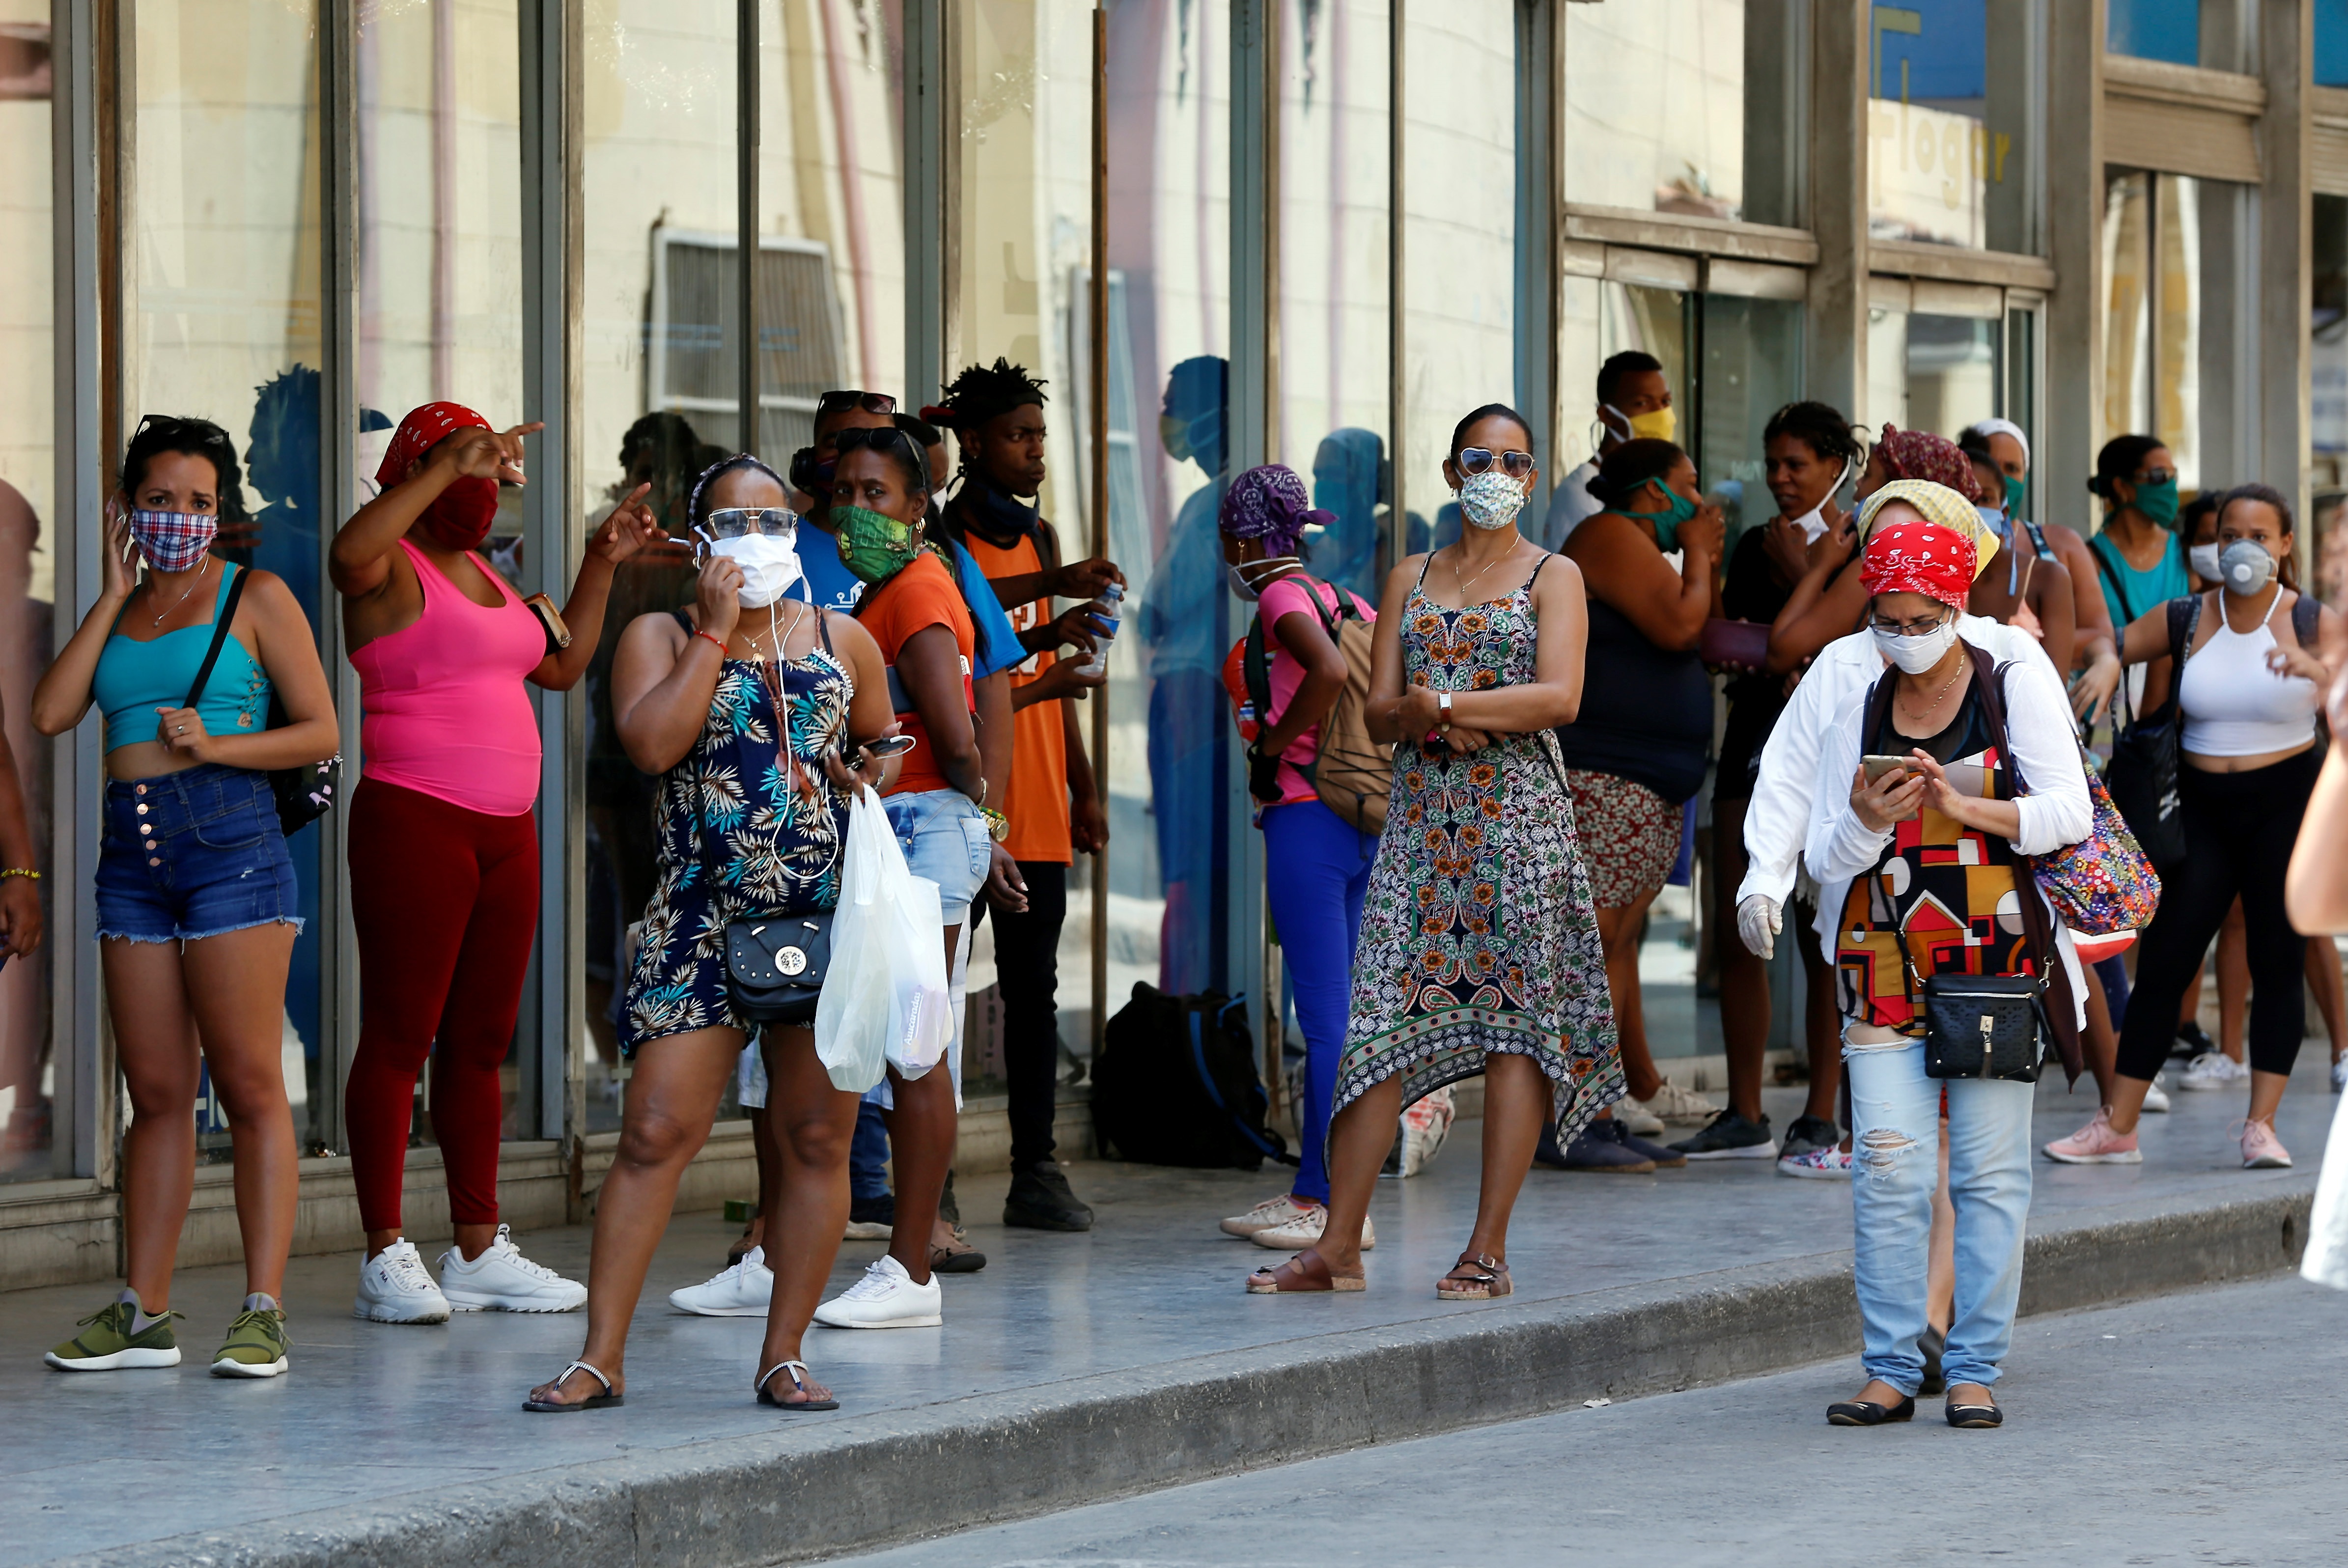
2044, 750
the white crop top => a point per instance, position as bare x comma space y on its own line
2235, 707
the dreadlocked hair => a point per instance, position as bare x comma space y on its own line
982, 392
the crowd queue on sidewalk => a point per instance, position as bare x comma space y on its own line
1471, 793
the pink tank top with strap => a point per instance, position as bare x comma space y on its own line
447, 713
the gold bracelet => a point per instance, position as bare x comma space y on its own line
26, 872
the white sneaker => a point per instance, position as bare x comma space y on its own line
2155, 1095
1637, 1120
2339, 1074
1271, 1211
886, 1297
1673, 1103
1829, 1163
503, 1280
2213, 1069
742, 1291
396, 1287
1305, 1231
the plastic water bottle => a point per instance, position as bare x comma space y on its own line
1105, 621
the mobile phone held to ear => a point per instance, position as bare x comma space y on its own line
558, 636
1877, 767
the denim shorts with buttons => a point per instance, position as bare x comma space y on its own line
945, 838
183, 856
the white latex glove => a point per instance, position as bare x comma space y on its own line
1758, 922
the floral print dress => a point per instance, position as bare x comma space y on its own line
1479, 932
771, 831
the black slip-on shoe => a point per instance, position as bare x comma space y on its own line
1864, 1413
1976, 1418
1040, 1200
1604, 1147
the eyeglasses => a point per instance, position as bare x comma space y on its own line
1474, 461
2155, 477
739, 521
1924, 627
840, 402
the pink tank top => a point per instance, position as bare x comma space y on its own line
447, 713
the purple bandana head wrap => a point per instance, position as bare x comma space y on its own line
1271, 503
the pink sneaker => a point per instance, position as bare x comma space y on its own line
2096, 1144
2262, 1150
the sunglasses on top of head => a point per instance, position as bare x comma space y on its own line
1474, 461
879, 438
840, 402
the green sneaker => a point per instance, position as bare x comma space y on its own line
107, 1342
255, 1346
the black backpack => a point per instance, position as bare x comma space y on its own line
1176, 1084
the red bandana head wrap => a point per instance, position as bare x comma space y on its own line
1914, 455
1913, 556
461, 516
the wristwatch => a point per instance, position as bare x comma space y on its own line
1443, 708
998, 826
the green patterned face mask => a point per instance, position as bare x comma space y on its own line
875, 548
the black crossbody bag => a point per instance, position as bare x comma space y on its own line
303, 794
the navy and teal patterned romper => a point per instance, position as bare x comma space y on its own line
773, 835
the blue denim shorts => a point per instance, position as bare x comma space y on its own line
185, 856
945, 838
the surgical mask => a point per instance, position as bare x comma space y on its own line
2245, 567
770, 564
1917, 654
1654, 425
2017, 490
1239, 574
1813, 522
460, 517
2204, 558
1667, 523
2158, 503
173, 540
1491, 499
872, 546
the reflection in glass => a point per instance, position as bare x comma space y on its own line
2158, 254
2328, 353
1752, 367
2163, 29
1950, 124
28, 560
1932, 372
223, 325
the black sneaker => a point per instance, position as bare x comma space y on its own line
1604, 1147
948, 1210
1041, 1200
1729, 1136
871, 1219
1806, 1133
2191, 1040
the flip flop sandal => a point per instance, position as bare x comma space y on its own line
602, 1401
767, 1395
1305, 1274
1489, 1279
968, 1259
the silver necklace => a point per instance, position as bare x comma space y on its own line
182, 599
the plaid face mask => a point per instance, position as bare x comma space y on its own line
173, 540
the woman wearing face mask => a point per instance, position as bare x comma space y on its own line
2247, 691
196, 896
1878, 848
1478, 951
1638, 751
443, 840
2138, 558
1316, 865
744, 706
1810, 451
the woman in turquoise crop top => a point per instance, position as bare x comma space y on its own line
197, 899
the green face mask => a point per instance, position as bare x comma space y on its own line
1667, 523
2017, 490
872, 546
2158, 503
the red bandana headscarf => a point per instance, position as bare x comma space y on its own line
461, 516
1915, 455
1914, 556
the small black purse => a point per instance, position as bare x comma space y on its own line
1984, 1026
304, 793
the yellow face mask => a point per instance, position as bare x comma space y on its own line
1654, 425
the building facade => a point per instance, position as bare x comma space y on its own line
1225, 232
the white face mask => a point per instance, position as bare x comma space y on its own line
1491, 499
2205, 562
1813, 522
770, 564
1917, 653
1243, 574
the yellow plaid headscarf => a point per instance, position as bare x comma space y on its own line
1939, 504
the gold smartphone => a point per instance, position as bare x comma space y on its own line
1877, 767
558, 636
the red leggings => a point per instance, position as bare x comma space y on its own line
445, 902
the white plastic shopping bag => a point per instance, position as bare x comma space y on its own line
884, 995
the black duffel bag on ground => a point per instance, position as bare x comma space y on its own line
1176, 1084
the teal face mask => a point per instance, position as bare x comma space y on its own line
2017, 490
1667, 523
2158, 503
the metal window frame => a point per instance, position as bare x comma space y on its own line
1251, 427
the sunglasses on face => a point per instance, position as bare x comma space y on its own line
739, 521
1474, 461
2155, 477
840, 402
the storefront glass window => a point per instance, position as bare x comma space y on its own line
1335, 226
1681, 105
1952, 123
1751, 362
2332, 43
222, 325
2160, 29
2175, 289
1932, 372
27, 548
2328, 353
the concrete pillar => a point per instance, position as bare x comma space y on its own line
1837, 203
2286, 257
2075, 244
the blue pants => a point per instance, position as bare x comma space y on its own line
1315, 870
867, 1155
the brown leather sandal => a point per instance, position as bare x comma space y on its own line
1485, 1278
1306, 1273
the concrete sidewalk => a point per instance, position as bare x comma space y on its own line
1074, 1368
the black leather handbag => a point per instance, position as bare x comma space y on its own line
1984, 1026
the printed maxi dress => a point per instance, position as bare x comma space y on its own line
1478, 931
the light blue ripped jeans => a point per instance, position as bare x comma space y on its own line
1895, 1113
